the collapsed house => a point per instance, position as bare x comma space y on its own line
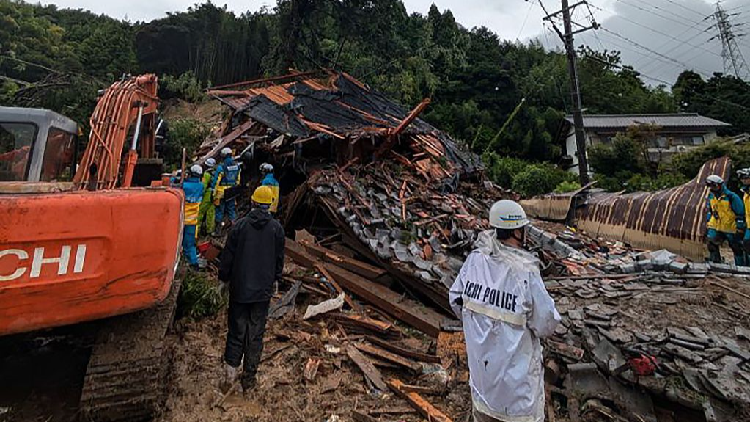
372, 182
395, 189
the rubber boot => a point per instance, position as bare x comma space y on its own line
231, 374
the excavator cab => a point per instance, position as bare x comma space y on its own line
37, 145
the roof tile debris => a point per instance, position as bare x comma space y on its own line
415, 210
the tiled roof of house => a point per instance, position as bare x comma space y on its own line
681, 120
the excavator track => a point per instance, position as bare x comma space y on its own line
125, 377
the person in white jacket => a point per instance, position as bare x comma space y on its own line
505, 309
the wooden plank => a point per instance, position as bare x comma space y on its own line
400, 410
424, 407
363, 321
366, 367
388, 356
385, 299
422, 357
358, 267
347, 298
361, 417
428, 391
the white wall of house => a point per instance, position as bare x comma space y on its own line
592, 138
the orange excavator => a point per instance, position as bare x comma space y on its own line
86, 245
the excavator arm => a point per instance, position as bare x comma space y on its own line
129, 101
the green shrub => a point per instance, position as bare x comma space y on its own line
629, 182
185, 86
199, 296
623, 154
690, 162
184, 133
567, 186
537, 179
502, 170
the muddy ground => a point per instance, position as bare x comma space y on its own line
283, 392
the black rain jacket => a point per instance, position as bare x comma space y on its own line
253, 257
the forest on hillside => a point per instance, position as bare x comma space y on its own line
59, 59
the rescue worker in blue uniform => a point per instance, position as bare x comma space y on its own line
725, 220
193, 189
226, 176
268, 180
744, 176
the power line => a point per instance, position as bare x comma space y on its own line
679, 56
651, 12
655, 30
664, 44
523, 25
643, 47
687, 8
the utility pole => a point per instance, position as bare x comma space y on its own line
734, 62
575, 92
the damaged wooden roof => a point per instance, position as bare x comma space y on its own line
333, 105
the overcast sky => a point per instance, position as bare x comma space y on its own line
658, 37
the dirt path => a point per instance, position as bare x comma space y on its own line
283, 392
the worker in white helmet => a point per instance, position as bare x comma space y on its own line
725, 220
505, 309
226, 176
193, 195
266, 170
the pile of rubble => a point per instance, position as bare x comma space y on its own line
394, 206
397, 190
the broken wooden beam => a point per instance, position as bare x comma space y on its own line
358, 267
410, 118
385, 299
388, 356
425, 408
367, 368
400, 410
362, 417
427, 391
422, 357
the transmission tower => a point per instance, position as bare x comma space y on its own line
734, 62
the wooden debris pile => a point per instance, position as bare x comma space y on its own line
402, 193
400, 219
399, 347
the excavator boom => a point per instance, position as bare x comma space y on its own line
130, 101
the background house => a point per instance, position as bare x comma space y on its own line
674, 132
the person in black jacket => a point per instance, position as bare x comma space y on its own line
252, 260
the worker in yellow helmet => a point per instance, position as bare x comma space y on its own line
725, 220
251, 261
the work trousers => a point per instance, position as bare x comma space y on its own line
247, 324
716, 238
207, 217
228, 206
188, 244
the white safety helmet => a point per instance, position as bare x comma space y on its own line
743, 173
226, 152
196, 170
714, 180
266, 168
210, 163
508, 215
